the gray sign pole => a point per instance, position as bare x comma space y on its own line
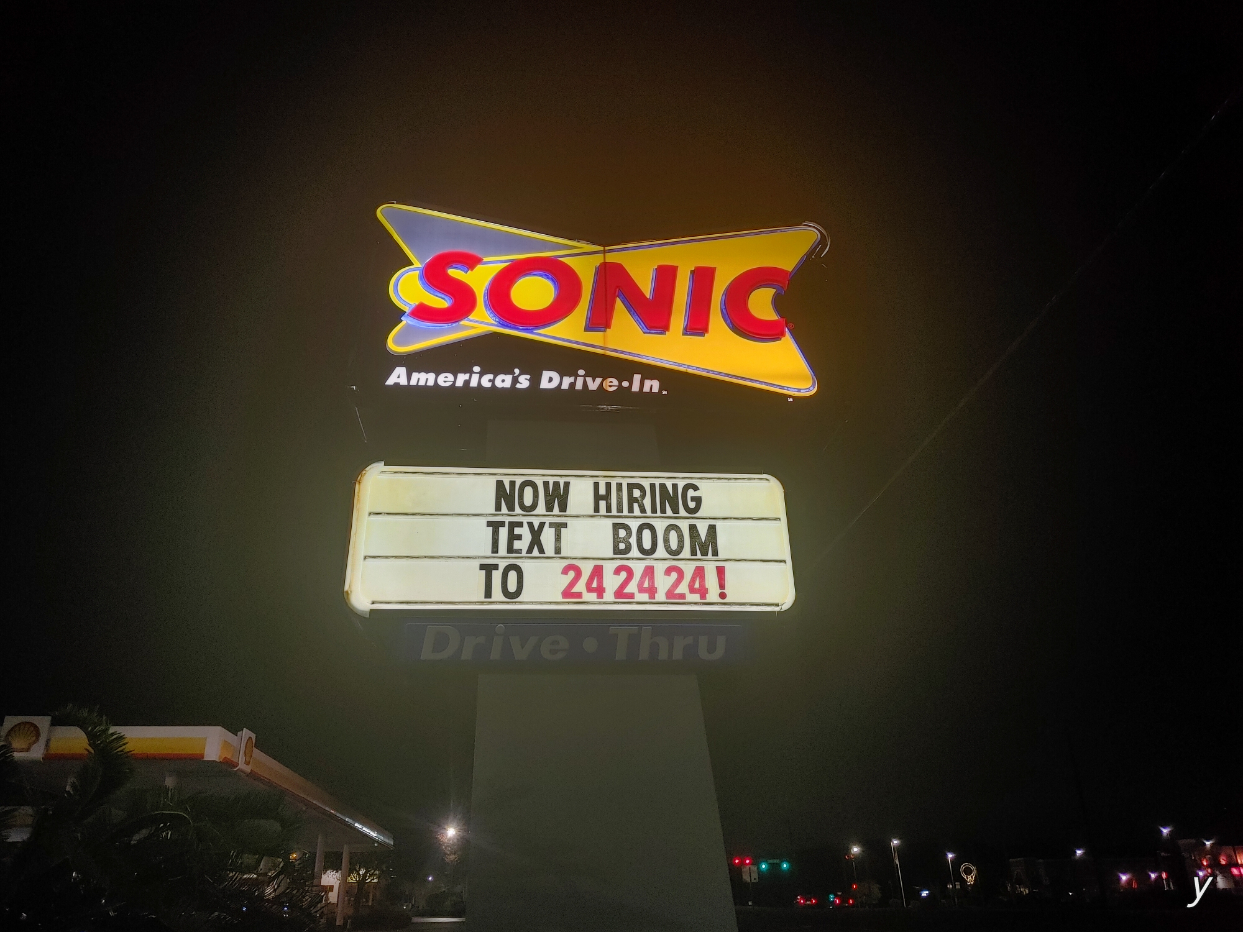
583, 782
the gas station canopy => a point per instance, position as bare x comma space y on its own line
210, 759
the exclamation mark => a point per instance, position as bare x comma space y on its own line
720, 580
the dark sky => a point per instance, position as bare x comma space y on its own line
191, 244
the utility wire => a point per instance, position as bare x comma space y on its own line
1037, 320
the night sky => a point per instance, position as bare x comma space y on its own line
191, 244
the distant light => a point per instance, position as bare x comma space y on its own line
1124, 877
763, 865
950, 855
1208, 842
1165, 830
895, 842
746, 860
923, 893
855, 849
737, 861
1079, 852
785, 865
430, 877
450, 832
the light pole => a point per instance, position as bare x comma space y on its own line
897, 866
451, 851
854, 861
1161, 855
949, 861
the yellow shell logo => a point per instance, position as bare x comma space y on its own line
248, 751
23, 736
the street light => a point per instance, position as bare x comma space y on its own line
450, 831
1162, 853
897, 865
855, 851
949, 862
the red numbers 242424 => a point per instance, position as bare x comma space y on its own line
627, 588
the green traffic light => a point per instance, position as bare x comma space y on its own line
763, 865
785, 865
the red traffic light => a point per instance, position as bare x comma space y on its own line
737, 861
746, 860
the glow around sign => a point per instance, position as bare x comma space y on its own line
701, 304
429, 538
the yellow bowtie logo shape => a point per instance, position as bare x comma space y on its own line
703, 304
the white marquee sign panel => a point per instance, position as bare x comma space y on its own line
449, 538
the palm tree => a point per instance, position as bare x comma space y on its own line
58, 861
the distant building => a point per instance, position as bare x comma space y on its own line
1202, 859
1080, 878
1061, 879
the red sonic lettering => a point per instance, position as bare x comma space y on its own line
652, 312
566, 286
459, 295
735, 304
699, 301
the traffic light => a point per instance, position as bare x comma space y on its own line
737, 862
785, 865
763, 865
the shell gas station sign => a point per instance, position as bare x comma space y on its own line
483, 539
702, 305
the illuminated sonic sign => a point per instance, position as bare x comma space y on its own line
703, 304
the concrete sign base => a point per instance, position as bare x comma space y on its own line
593, 807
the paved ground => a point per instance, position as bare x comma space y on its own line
1220, 918
1223, 917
